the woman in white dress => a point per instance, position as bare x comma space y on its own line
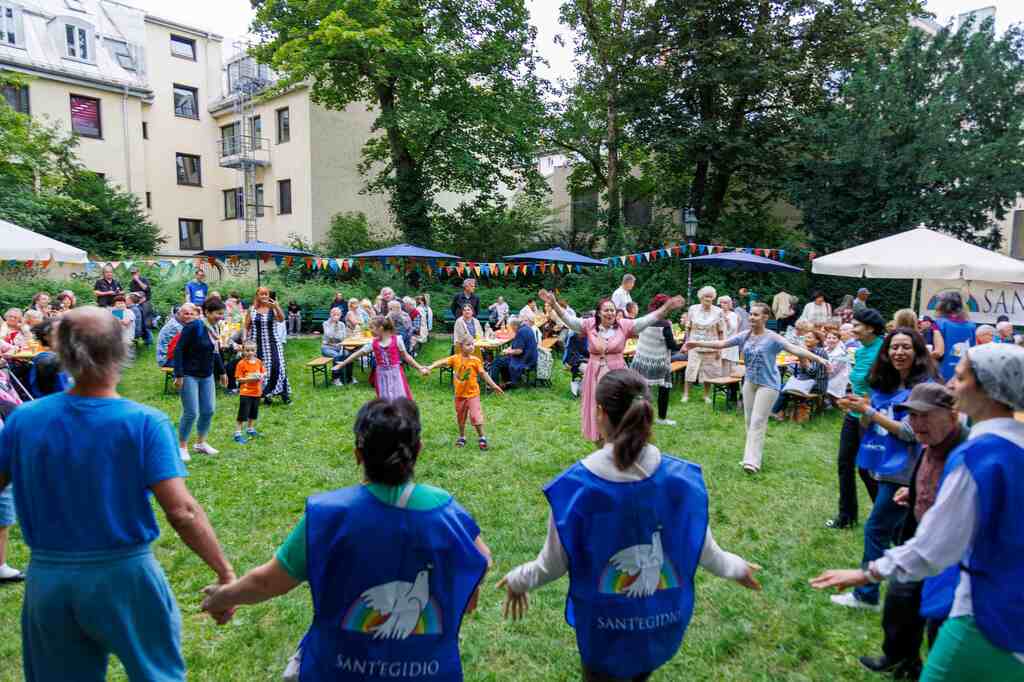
730, 356
817, 311
705, 322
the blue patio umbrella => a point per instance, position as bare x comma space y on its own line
556, 255
406, 251
735, 260
255, 250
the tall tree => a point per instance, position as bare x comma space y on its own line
591, 117
453, 83
929, 134
733, 78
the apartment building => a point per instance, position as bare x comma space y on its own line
156, 107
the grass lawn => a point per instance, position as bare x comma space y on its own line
255, 493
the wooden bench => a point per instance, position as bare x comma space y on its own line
815, 402
728, 387
320, 367
168, 379
678, 367
316, 318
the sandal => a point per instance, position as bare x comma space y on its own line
461, 442
750, 469
482, 443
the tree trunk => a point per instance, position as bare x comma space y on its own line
614, 194
408, 201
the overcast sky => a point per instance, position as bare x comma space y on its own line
231, 19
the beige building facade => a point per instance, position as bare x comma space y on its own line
156, 108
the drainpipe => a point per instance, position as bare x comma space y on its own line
127, 146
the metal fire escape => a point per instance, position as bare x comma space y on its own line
246, 150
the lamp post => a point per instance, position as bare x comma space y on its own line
690, 229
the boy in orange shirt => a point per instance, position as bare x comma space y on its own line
249, 373
465, 368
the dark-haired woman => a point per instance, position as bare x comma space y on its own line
956, 334
631, 590
817, 311
887, 445
392, 565
606, 341
197, 362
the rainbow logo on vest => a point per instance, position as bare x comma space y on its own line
361, 618
639, 571
396, 610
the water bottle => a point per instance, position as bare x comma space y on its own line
488, 334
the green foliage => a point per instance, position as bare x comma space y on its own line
350, 233
927, 134
489, 231
457, 98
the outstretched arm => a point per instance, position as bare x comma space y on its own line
258, 585
661, 313
354, 356
570, 321
802, 352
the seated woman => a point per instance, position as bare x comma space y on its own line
466, 328
809, 378
336, 331
45, 376
838, 365
386, 561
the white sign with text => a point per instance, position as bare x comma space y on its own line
984, 301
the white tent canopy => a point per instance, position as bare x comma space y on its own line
17, 243
921, 254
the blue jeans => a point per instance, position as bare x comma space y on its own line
7, 515
886, 516
197, 400
338, 354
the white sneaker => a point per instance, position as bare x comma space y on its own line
665, 422
206, 449
849, 600
685, 399
338, 382
707, 400
185, 457
353, 382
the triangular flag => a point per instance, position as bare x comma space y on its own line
782, 254
578, 268
693, 248
277, 260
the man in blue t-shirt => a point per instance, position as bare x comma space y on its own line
84, 464
519, 358
196, 290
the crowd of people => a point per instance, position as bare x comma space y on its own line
928, 429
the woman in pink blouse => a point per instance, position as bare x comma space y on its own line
606, 339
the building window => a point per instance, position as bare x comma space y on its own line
85, 116
189, 172
1017, 235
259, 201
256, 130
186, 102
284, 196
584, 212
637, 212
78, 42
284, 126
149, 200
190, 234
233, 207
183, 47
17, 97
11, 31
145, 130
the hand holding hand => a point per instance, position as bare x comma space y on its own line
840, 579
424, 371
179, 382
214, 605
516, 603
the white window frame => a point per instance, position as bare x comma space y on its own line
84, 36
13, 24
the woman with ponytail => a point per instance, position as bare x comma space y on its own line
630, 526
386, 561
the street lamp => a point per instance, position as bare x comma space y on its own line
690, 229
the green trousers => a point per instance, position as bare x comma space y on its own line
962, 653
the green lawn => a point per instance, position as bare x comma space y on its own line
255, 493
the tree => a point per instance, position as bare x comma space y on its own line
731, 79
489, 231
350, 233
591, 118
453, 83
929, 133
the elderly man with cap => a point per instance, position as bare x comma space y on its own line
972, 536
938, 431
84, 464
860, 302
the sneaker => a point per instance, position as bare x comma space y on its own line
685, 399
206, 449
482, 443
183, 452
253, 433
665, 422
353, 382
840, 523
338, 382
461, 442
849, 600
707, 399
750, 468
240, 439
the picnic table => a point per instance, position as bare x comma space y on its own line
352, 343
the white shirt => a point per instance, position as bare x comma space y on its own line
621, 298
817, 314
947, 531
527, 313
552, 562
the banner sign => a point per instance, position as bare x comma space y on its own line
983, 301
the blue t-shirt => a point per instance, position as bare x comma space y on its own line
196, 292
759, 355
82, 469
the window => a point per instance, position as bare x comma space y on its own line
188, 170
233, 204
145, 130
284, 196
17, 97
284, 126
11, 31
78, 42
256, 130
186, 102
190, 234
584, 212
85, 116
183, 47
637, 212
149, 200
1017, 235
246, 74
259, 200
229, 140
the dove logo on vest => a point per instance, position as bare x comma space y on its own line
639, 571
396, 610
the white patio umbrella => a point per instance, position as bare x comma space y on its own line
17, 243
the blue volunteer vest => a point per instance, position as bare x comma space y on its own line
633, 549
880, 451
938, 591
996, 563
389, 587
953, 334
